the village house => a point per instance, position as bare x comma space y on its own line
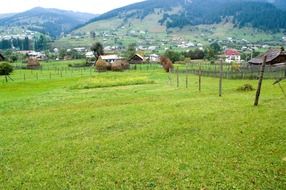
38, 55
274, 57
89, 55
232, 55
80, 49
153, 58
110, 58
136, 59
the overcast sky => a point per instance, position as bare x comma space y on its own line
91, 6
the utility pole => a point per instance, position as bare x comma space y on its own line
260, 81
220, 78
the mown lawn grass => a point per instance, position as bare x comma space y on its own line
148, 136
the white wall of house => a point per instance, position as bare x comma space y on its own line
233, 58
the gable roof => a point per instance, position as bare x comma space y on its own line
110, 57
230, 52
138, 56
271, 55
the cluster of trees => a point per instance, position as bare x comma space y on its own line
175, 56
210, 53
38, 44
72, 54
21, 44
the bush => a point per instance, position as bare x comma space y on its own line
235, 67
167, 64
246, 88
101, 65
5, 69
174, 56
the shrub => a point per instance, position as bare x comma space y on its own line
246, 87
235, 67
5, 70
167, 64
101, 66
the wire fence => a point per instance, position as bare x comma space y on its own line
232, 71
53, 72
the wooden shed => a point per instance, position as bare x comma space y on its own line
136, 59
274, 57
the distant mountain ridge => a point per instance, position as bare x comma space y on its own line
48, 21
262, 14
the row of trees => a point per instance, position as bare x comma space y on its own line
40, 43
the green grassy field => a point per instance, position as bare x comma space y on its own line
135, 130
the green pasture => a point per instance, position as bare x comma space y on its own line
138, 130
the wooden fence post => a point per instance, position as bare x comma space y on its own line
178, 83
220, 78
170, 76
200, 76
187, 76
260, 82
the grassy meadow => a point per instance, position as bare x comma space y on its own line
138, 130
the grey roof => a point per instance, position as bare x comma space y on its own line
271, 55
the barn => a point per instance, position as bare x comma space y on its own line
274, 57
136, 59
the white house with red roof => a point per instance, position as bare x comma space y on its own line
232, 55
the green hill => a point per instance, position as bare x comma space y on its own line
165, 22
47, 21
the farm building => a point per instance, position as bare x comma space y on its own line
2, 58
89, 55
110, 58
136, 59
154, 58
38, 55
274, 57
232, 55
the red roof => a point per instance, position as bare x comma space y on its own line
230, 52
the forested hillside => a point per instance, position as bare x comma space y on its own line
260, 14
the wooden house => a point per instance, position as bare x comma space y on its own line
110, 58
274, 57
136, 59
